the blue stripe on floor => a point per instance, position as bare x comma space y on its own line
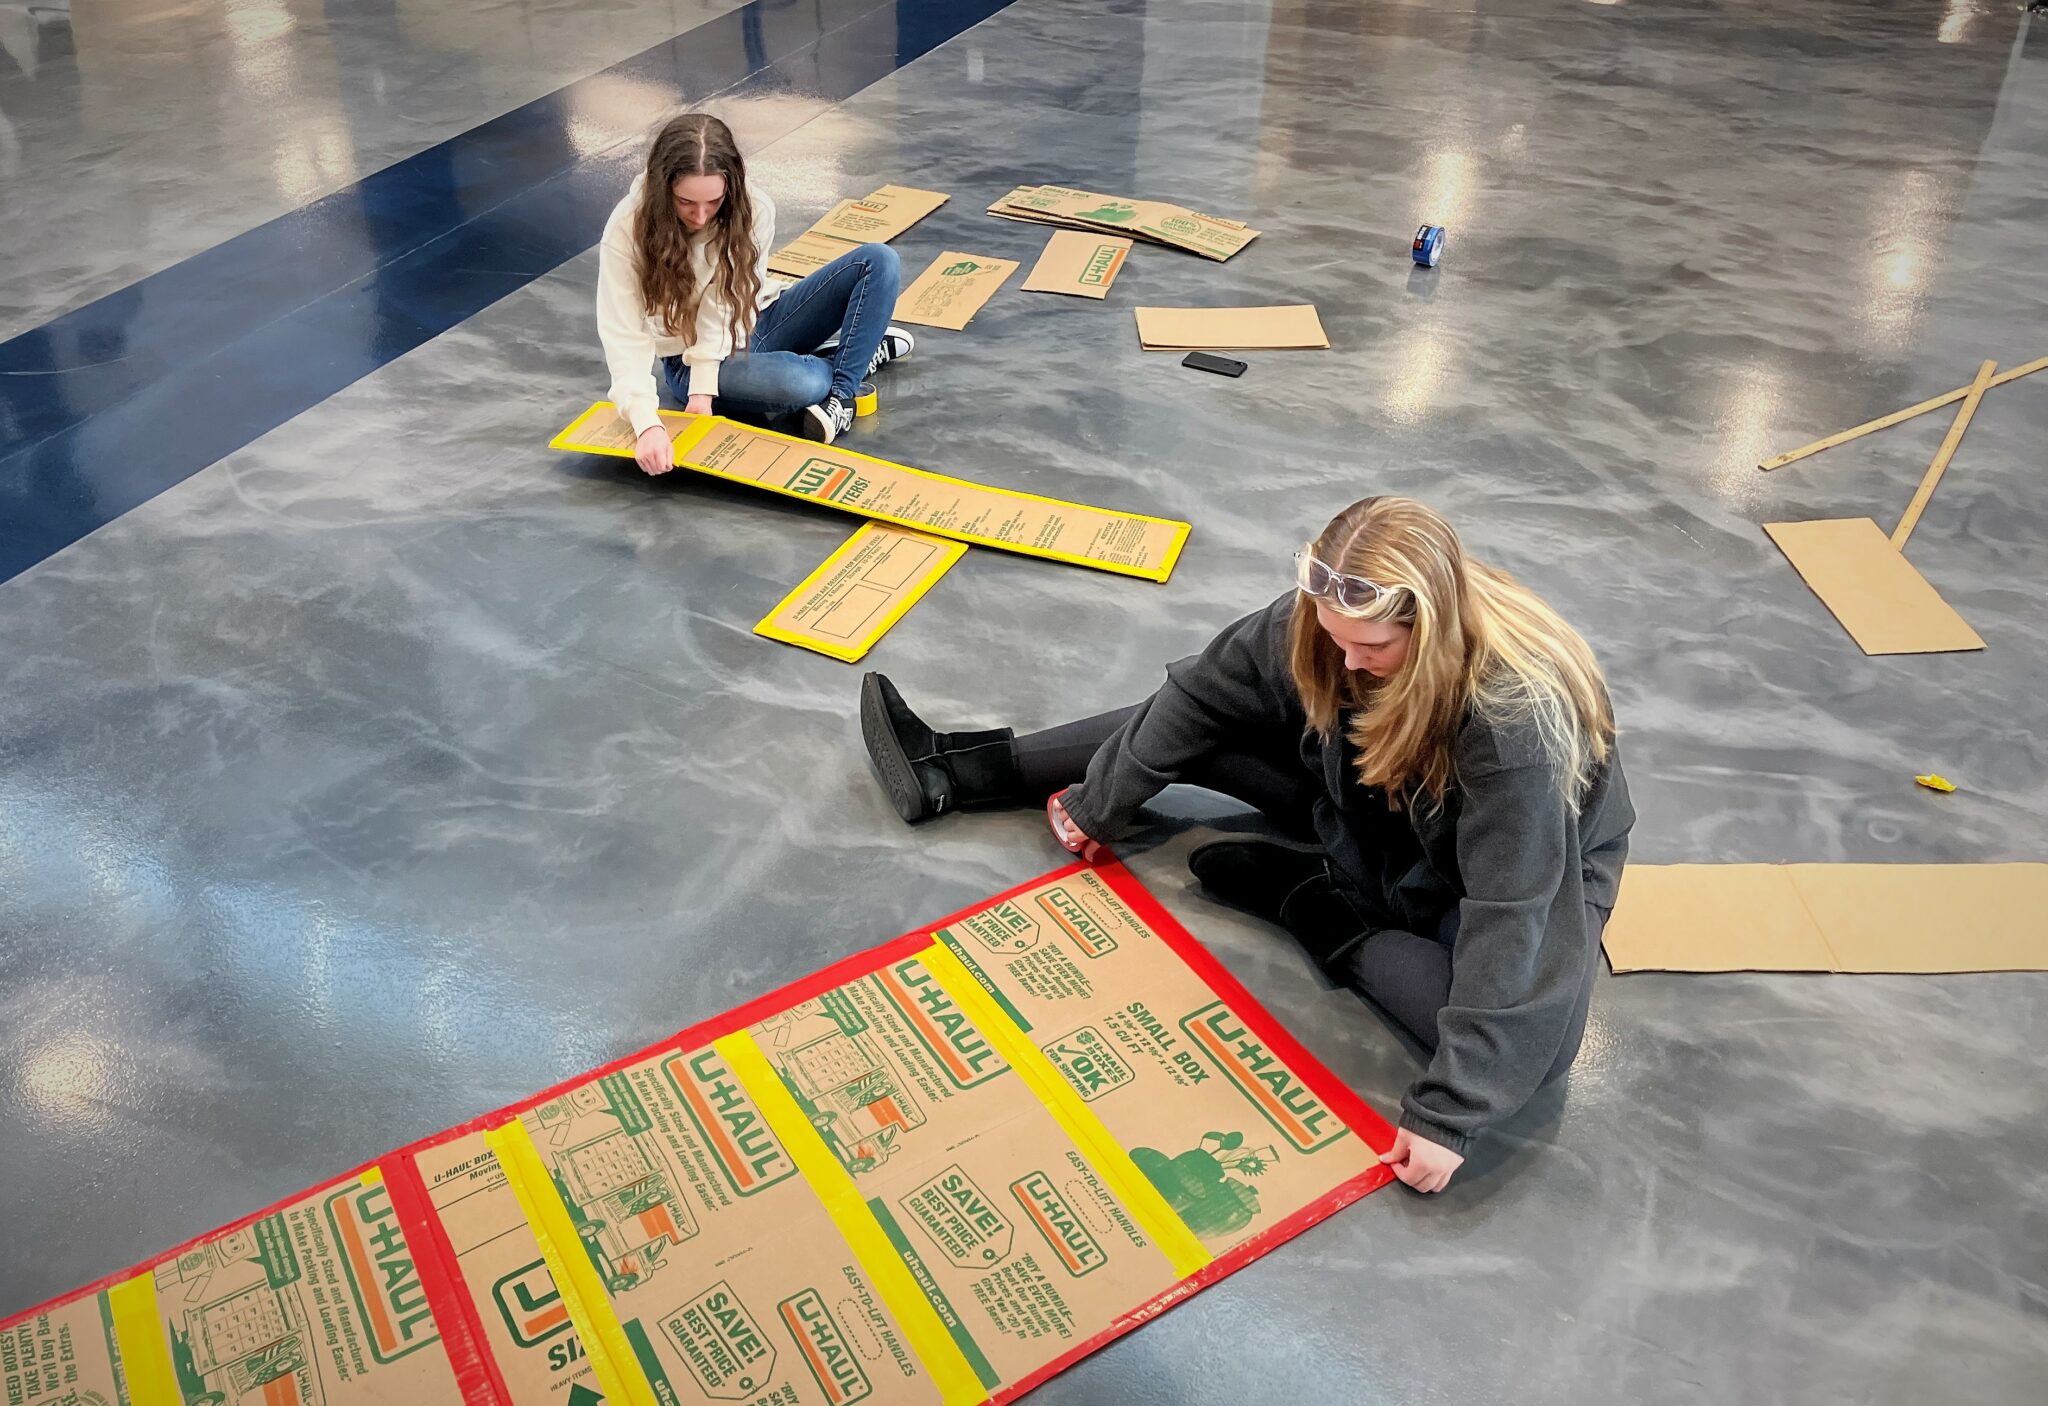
106, 407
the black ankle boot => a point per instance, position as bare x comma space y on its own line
1255, 875
929, 773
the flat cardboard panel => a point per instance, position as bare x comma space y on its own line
1930, 917
952, 290
806, 254
879, 218
1153, 220
1124, 543
1078, 263
1830, 917
1886, 606
864, 588
1290, 327
1712, 918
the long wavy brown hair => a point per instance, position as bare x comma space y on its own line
697, 144
1482, 643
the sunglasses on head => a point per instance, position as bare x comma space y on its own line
1322, 582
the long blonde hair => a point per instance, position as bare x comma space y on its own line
1482, 643
697, 144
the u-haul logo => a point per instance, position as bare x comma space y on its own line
381, 1272
1046, 1209
1102, 265
821, 478
1077, 922
963, 1054
826, 1352
739, 1137
1260, 1076
531, 1305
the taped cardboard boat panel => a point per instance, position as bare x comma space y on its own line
1880, 599
1127, 544
702, 1248
1911, 918
844, 607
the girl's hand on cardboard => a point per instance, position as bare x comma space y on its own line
653, 451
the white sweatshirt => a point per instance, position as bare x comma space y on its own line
633, 339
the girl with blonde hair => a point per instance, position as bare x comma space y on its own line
682, 278
1438, 733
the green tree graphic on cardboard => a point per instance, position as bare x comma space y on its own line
1112, 213
959, 270
1205, 1185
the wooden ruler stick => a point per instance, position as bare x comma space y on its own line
1885, 422
1942, 455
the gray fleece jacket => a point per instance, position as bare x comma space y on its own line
1503, 848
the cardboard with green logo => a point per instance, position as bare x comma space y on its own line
944, 1169
952, 290
1078, 263
1153, 220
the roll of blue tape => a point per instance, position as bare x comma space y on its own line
1429, 245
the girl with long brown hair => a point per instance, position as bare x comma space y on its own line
682, 278
1441, 738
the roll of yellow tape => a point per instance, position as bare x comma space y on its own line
866, 402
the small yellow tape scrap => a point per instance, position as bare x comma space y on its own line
583, 1294
1160, 1222
1936, 783
139, 1334
373, 1177
834, 1187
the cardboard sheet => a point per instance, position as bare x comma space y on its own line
952, 290
1292, 327
1124, 543
878, 218
1152, 220
1830, 918
806, 254
865, 587
1078, 263
1886, 606
939, 1172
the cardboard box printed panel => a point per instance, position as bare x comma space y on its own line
66, 1356
728, 1276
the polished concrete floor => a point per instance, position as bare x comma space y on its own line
394, 766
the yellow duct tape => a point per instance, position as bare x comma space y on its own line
867, 401
139, 1333
1160, 1222
929, 1338
590, 1308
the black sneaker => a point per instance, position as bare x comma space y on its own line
827, 421
897, 343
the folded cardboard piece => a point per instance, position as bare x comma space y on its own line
1830, 918
1127, 544
1154, 221
941, 1171
1294, 327
952, 290
864, 588
872, 219
1078, 263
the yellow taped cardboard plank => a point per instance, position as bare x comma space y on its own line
1223, 1126
932, 1338
1912, 918
1886, 606
79, 1351
1127, 544
1013, 1230
1078, 263
952, 290
1160, 1222
844, 607
1294, 327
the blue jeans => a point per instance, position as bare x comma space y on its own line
850, 298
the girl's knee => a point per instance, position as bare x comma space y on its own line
881, 258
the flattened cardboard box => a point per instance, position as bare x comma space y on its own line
1127, 544
1078, 263
952, 290
1868, 585
1153, 219
1293, 327
879, 218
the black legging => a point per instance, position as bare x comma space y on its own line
1274, 783
1405, 974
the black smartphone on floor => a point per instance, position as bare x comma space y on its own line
1209, 361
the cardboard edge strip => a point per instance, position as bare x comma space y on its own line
834, 1187
139, 1333
590, 1309
477, 1374
1161, 1223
